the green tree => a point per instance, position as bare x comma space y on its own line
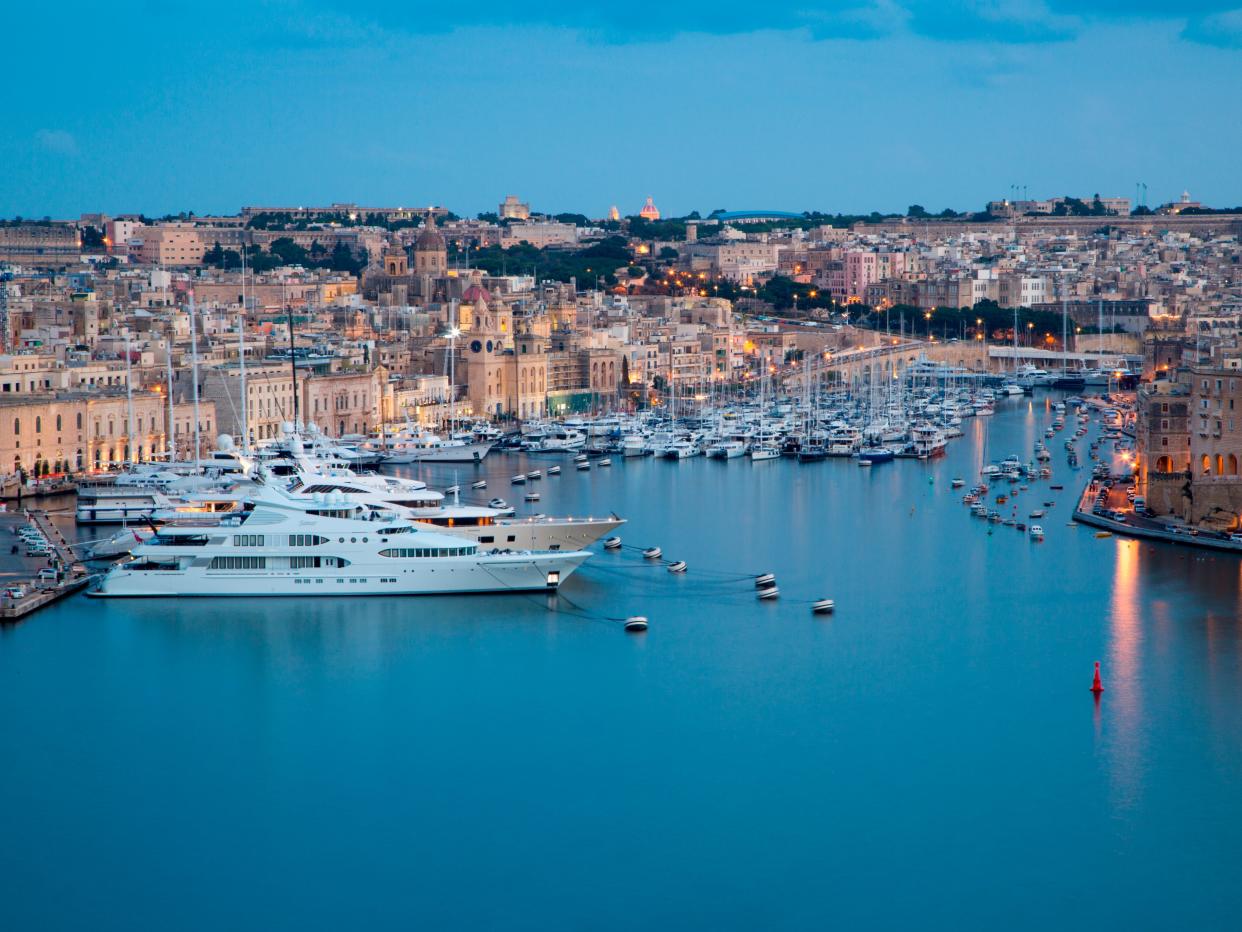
289, 252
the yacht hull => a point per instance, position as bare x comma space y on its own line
469, 453
498, 573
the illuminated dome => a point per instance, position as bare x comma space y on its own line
650, 211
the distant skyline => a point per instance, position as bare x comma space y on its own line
854, 107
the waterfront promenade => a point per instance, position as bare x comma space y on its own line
1146, 527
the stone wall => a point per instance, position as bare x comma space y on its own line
1164, 494
1217, 502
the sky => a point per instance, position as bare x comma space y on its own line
848, 107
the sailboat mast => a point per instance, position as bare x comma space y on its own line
293, 363
241, 359
198, 449
172, 424
129, 400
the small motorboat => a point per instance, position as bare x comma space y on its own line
1036, 514
452, 490
532, 496
479, 484
677, 566
604, 462
554, 470
583, 466
498, 503
957, 484
823, 606
636, 624
769, 592
519, 479
535, 474
1103, 533
653, 553
612, 543
1037, 532
580, 458
765, 579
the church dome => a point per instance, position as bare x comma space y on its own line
475, 294
430, 238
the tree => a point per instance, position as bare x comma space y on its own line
668, 254
625, 370
289, 252
222, 258
917, 212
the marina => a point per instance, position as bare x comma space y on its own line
909, 663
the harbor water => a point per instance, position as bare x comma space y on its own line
929, 756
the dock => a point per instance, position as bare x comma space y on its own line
20, 573
14, 610
1151, 529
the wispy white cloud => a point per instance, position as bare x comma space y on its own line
56, 141
1223, 29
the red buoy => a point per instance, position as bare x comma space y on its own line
1096, 686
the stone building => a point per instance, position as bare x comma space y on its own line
1190, 445
87, 432
1162, 442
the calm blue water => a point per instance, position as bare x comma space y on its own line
929, 757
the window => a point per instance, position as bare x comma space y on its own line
247, 540
238, 563
420, 553
302, 563
306, 540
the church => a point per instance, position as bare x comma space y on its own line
392, 281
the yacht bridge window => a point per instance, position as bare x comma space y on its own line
423, 552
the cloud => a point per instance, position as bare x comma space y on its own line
1223, 29
315, 24
1006, 21
56, 141
996, 21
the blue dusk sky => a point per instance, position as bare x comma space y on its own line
575, 106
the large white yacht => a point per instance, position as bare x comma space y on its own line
283, 548
415, 445
411, 499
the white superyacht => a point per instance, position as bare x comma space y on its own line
283, 548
